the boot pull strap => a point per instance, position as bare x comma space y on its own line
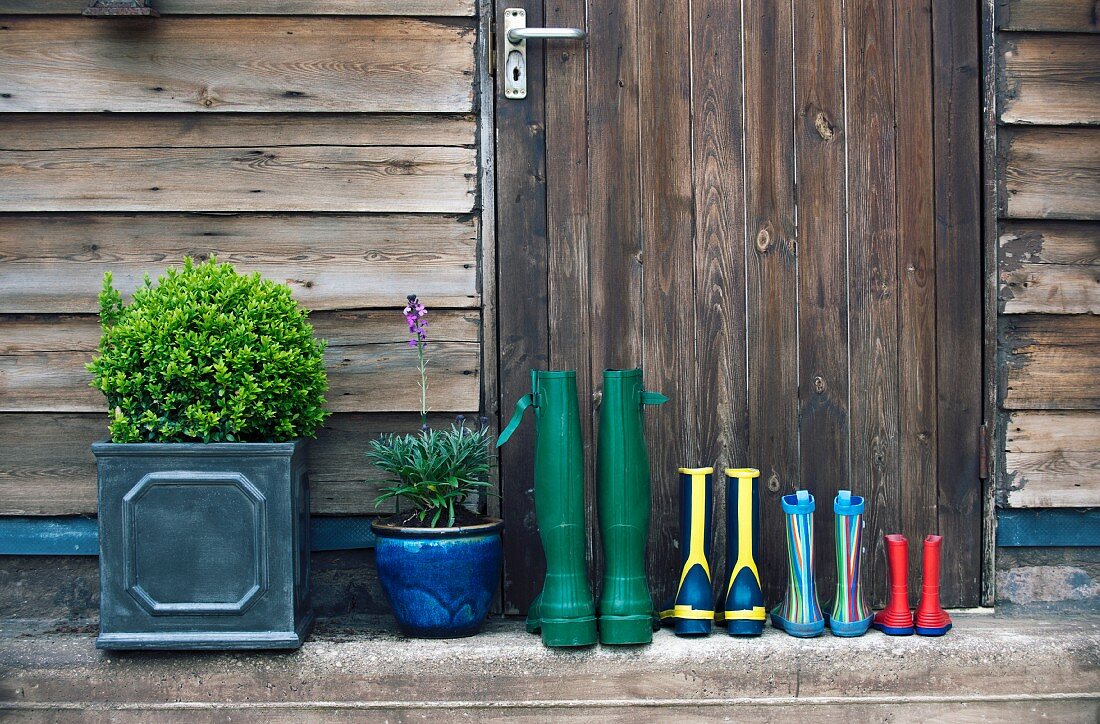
653, 398
517, 417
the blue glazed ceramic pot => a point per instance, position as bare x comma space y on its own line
439, 581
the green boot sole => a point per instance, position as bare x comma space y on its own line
626, 630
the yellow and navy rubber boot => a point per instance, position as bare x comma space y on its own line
800, 613
626, 612
564, 613
691, 612
743, 610
851, 616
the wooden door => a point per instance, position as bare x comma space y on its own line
774, 209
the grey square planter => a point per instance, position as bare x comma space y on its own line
203, 546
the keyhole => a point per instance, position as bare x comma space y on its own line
516, 78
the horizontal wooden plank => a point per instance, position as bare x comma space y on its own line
290, 178
53, 131
1048, 78
47, 468
1050, 267
1051, 362
55, 263
1049, 242
1052, 460
370, 366
463, 8
1043, 432
1074, 16
266, 64
1050, 173
1050, 289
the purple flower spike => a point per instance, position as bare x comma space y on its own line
416, 316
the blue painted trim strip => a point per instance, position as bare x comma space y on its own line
341, 534
1049, 527
79, 536
49, 536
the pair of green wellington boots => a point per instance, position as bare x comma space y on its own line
564, 611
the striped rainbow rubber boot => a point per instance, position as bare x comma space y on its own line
692, 610
800, 613
851, 616
743, 610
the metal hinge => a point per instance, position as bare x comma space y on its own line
983, 452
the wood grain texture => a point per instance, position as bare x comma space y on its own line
616, 248
489, 502
847, 91
1074, 16
668, 271
1050, 289
1052, 459
1049, 268
1050, 173
53, 131
1051, 362
47, 467
957, 148
55, 263
289, 178
771, 273
1049, 242
873, 275
464, 8
370, 367
824, 414
720, 382
1048, 79
522, 295
268, 64
569, 245
916, 283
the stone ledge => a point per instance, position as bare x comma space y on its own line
988, 665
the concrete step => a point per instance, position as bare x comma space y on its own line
987, 668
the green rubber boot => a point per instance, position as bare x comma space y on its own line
564, 611
622, 473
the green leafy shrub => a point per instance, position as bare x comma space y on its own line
208, 355
435, 470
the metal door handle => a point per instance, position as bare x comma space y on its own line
516, 35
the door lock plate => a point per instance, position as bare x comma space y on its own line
515, 55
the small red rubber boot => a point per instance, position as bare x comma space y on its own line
931, 619
896, 619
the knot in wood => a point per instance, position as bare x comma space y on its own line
763, 240
824, 129
819, 384
773, 483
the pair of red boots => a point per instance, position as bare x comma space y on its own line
896, 619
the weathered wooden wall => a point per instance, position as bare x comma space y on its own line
774, 208
331, 147
1048, 179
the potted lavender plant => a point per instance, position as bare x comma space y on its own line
439, 562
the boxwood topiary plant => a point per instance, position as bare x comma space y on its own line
208, 355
